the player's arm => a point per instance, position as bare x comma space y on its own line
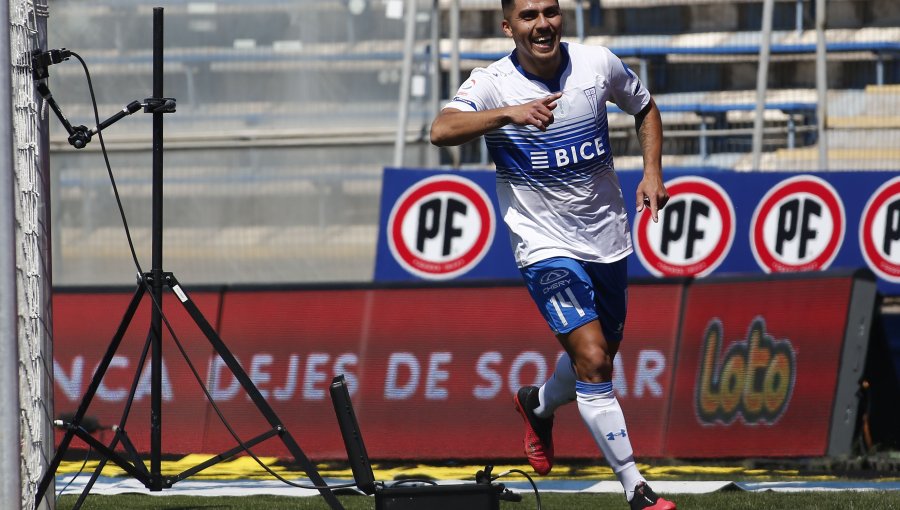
651, 191
456, 127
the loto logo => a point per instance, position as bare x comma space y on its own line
798, 226
879, 231
754, 379
694, 232
441, 227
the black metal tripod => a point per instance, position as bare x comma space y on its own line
154, 282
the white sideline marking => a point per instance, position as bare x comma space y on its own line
111, 486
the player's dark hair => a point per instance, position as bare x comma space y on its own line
507, 5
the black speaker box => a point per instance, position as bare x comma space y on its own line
470, 496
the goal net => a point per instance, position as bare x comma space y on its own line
26, 29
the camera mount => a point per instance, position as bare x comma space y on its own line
154, 283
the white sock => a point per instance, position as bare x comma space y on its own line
601, 413
559, 388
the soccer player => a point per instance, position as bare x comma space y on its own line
542, 111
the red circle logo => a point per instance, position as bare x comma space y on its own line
441, 227
879, 231
694, 232
798, 226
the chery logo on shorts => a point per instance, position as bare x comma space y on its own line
879, 231
441, 227
553, 276
694, 232
798, 226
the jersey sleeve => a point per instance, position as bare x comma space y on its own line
475, 94
626, 88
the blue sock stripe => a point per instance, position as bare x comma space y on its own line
593, 388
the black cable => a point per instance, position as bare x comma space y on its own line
109, 171
537, 495
158, 306
80, 470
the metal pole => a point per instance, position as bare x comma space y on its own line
762, 77
821, 85
434, 155
454, 73
10, 441
704, 149
409, 42
792, 131
579, 21
157, 261
644, 65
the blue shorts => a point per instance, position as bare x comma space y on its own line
571, 293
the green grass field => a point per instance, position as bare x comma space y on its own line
731, 500
244, 468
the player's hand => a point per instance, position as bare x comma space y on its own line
537, 113
651, 192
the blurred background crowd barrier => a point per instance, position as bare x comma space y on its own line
288, 112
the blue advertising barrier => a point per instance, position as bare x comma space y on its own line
445, 225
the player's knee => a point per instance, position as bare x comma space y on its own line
594, 365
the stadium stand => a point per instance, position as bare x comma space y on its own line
311, 89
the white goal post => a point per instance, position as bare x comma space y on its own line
26, 363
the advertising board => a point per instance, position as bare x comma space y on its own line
432, 371
716, 223
765, 365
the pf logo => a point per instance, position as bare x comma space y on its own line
797, 226
441, 227
694, 232
879, 231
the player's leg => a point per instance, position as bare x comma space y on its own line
558, 390
593, 348
551, 283
597, 402
601, 412
536, 405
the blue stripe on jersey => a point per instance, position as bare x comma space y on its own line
546, 180
540, 177
566, 155
466, 101
512, 140
586, 388
555, 136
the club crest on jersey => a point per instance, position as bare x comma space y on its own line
591, 95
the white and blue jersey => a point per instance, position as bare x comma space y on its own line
558, 191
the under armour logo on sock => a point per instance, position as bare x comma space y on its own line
612, 435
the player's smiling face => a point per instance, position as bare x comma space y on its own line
536, 26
